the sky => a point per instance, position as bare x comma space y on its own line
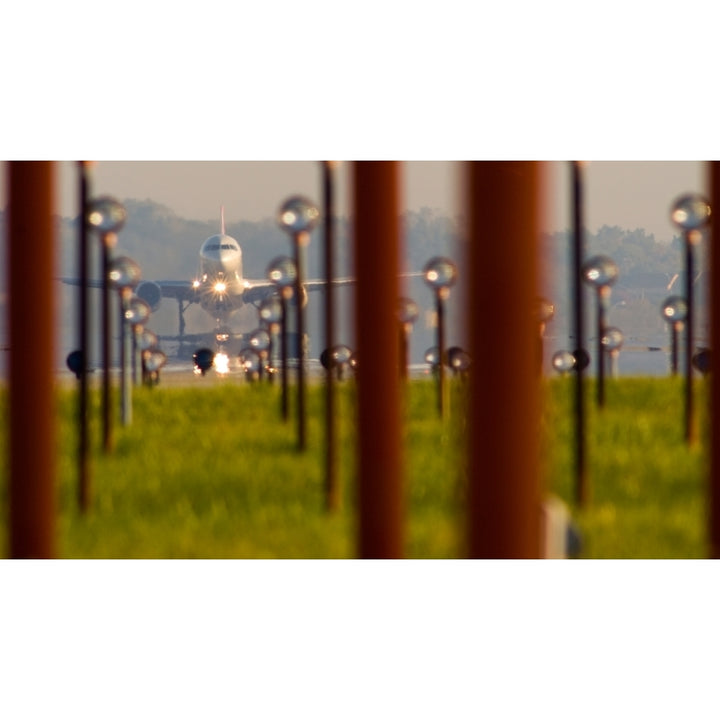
629, 194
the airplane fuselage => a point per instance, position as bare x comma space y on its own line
220, 285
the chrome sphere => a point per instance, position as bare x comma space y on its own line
297, 214
440, 272
690, 212
106, 214
600, 271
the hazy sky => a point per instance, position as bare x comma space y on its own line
629, 194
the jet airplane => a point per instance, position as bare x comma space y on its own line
220, 288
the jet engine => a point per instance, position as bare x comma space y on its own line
151, 293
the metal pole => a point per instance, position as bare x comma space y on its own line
107, 242
440, 309
714, 489
283, 353
403, 340
377, 243
577, 305
84, 477
504, 492
301, 239
332, 489
32, 425
126, 355
602, 297
690, 430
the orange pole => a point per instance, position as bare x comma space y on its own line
504, 490
714, 480
377, 242
31, 394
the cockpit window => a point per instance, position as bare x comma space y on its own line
217, 246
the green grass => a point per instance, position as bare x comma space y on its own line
647, 488
211, 471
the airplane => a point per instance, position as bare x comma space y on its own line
220, 288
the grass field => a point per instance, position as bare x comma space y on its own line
212, 472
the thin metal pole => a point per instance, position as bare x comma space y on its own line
377, 247
504, 492
32, 424
272, 352
674, 348
714, 479
577, 305
300, 241
107, 242
440, 309
690, 431
332, 489
126, 355
404, 342
284, 353
602, 299
84, 475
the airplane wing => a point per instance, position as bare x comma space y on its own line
258, 290
177, 289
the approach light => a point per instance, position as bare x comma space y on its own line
145, 339
154, 359
203, 359
250, 362
563, 361
75, 362
282, 271
259, 340
137, 311
440, 273
407, 310
432, 357
297, 215
690, 212
612, 339
271, 310
106, 214
124, 273
458, 359
600, 271
674, 309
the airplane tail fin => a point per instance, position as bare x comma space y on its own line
222, 219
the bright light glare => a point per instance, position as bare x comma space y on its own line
196, 284
221, 363
220, 287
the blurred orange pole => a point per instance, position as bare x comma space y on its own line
504, 490
31, 315
377, 242
714, 480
